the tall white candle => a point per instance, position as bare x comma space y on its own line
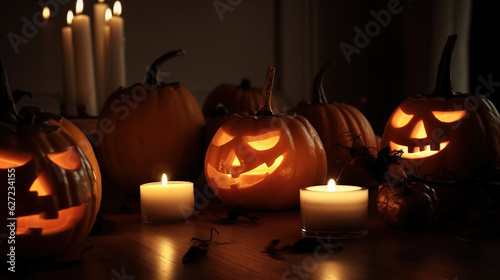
99, 50
69, 68
334, 211
117, 48
107, 53
84, 62
166, 201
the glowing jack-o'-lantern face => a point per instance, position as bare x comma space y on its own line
54, 187
438, 134
261, 162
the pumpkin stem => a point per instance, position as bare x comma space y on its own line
444, 88
265, 108
319, 96
245, 83
151, 78
7, 103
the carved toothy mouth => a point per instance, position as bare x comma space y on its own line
36, 224
245, 179
416, 152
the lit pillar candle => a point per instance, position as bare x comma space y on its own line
99, 49
117, 48
84, 62
334, 211
166, 201
69, 69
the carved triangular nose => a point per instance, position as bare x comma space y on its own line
419, 131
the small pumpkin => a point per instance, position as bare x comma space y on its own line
445, 133
54, 181
260, 162
153, 129
407, 205
236, 99
336, 124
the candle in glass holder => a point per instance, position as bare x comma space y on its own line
166, 201
334, 211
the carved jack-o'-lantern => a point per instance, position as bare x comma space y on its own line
53, 181
260, 162
446, 131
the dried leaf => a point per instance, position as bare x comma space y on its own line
198, 249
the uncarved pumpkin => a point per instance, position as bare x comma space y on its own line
236, 99
260, 162
151, 129
445, 133
53, 176
337, 123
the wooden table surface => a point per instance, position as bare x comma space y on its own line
136, 250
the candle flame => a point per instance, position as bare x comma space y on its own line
46, 13
100, 1
331, 185
79, 7
108, 14
117, 8
69, 17
164, 181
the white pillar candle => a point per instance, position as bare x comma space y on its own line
107, 54
117, 49
166, 201
99, 50
84, 62
334, 211
69, 69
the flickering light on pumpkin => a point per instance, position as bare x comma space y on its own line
117, 8
108, 15
419, 131
46, 13
79, 7
449, 116
69, 17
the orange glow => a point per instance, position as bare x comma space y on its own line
67, 218
419, 131
12, 159
108, 14
41, 186
69, 159
263, 141
221, 138
416, 152
400, 118
449, 116
246, 179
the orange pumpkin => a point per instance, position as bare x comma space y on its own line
445, 133
260, 162
153, 129
336, 123
236, 99
54, 183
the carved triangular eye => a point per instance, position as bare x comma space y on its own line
264, 141
13, 159
221, 137
449, 116
400, 118
69, 159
